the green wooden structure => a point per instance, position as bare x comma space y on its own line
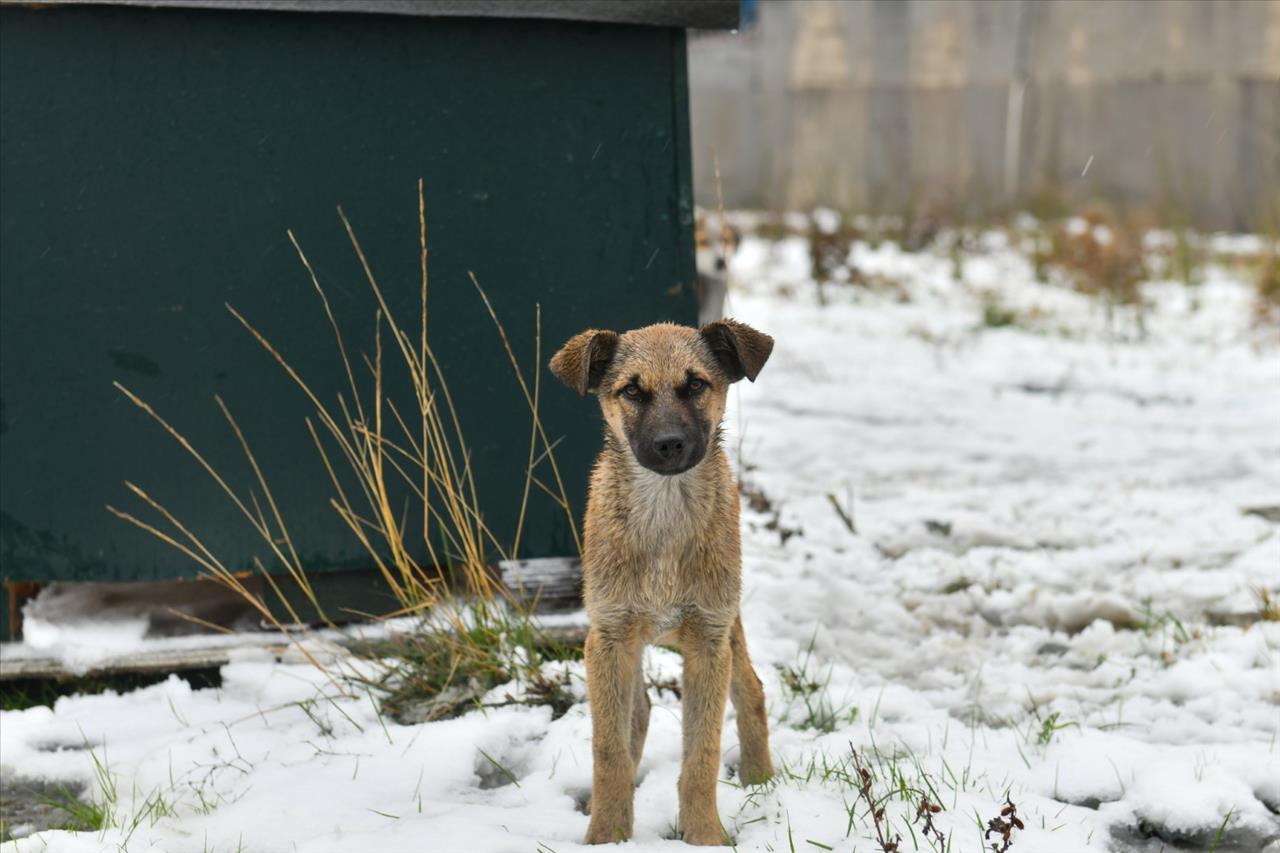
151, 160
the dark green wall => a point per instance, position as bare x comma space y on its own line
150, 162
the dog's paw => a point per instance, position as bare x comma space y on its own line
755, 772
600, 832
707, 836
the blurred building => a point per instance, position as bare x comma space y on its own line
967, 107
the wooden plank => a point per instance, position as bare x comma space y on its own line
155, 661
205, 657
552, 584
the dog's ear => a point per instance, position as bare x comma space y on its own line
582, 362
740, 350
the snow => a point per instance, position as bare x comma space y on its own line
79, 647
1050, 519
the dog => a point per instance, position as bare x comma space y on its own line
711, 258
662, 560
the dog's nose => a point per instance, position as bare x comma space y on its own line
669, 447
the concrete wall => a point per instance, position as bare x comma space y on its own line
970, 106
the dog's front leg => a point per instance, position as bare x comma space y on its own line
707, 672
612, 663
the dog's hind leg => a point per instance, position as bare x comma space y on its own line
748, 701
639, 715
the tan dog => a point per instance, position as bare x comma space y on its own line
662, 559
712, 257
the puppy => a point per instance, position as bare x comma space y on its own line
662, 559
711, 255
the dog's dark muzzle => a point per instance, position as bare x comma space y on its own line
670, 452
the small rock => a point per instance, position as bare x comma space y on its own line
27, 805
450, 702
1148, 836
1270, 513
938, 528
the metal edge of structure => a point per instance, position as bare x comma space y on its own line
698, 14
683, 136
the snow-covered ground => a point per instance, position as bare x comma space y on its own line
1051, 591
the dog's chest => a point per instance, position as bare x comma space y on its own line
663, 519
662, 510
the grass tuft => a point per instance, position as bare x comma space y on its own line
995, 315
1050, 725
1268, 605
808, 693
78, 815
1101, 254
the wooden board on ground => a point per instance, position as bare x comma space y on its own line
176, 659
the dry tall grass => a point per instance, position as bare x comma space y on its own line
1102, 253
375, 452
1267, 282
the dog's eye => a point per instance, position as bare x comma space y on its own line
696, 385
632, 391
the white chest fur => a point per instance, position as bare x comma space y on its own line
660, 508
661, 526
